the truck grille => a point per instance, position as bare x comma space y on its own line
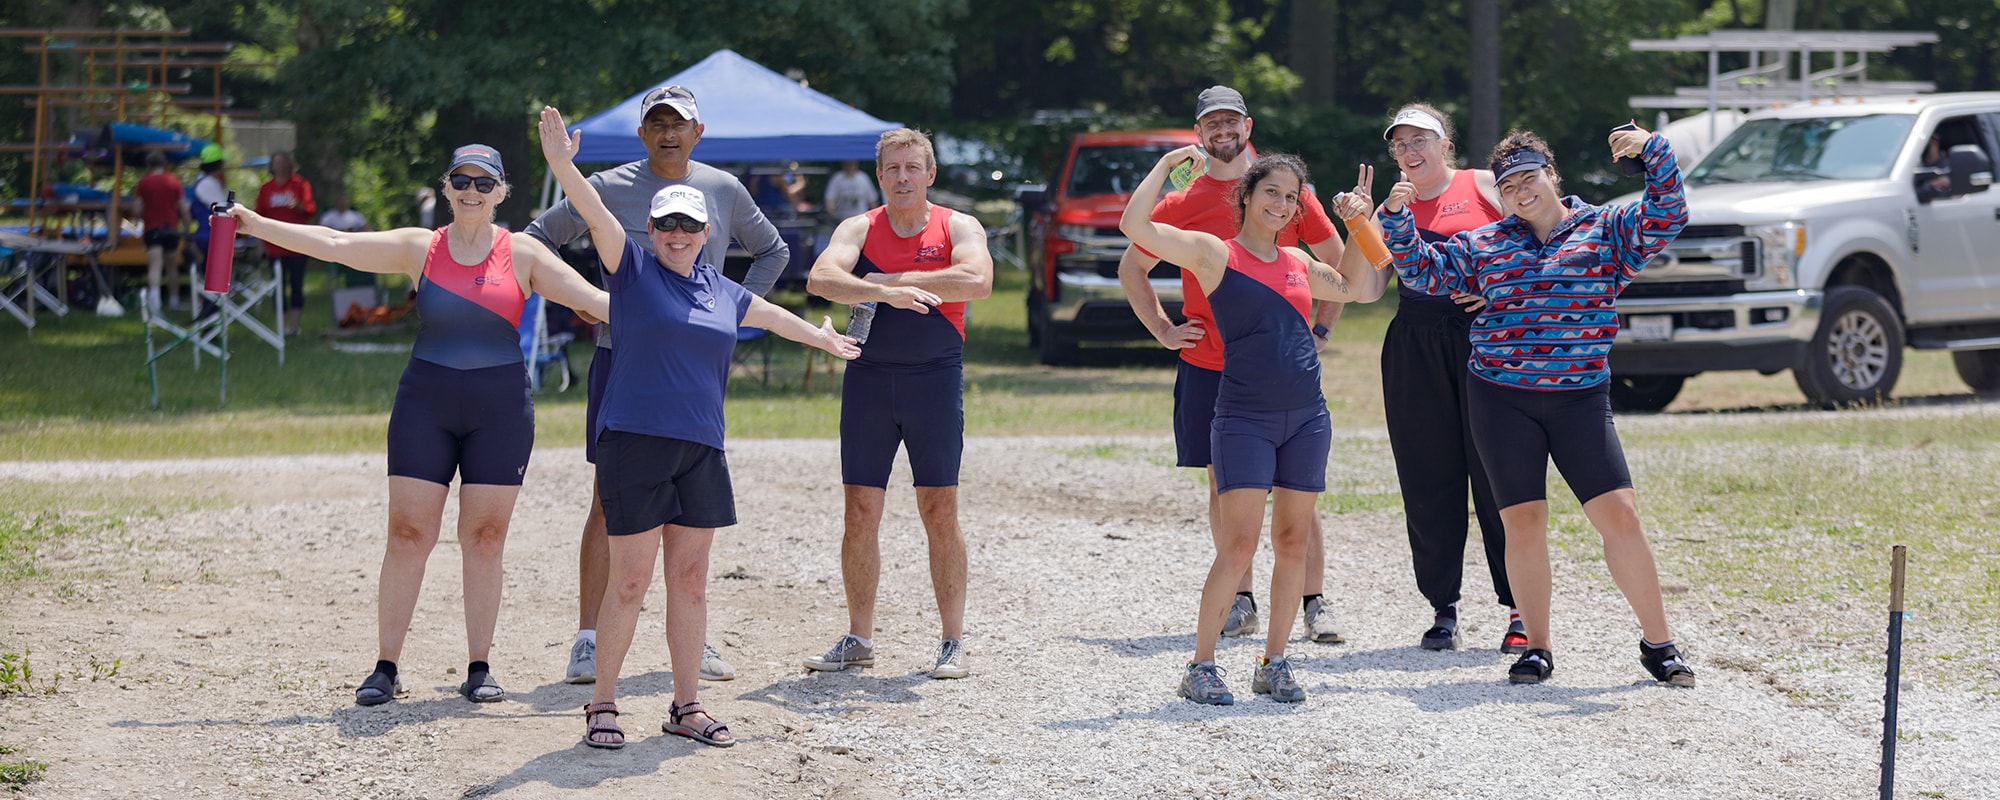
1639, 289
1711, 232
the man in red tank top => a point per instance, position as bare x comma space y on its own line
1222, 123
913, 265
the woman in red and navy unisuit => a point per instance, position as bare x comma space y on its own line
1550, 273
462, 406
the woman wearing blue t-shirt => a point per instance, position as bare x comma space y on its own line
660, 465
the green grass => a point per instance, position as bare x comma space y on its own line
16, 775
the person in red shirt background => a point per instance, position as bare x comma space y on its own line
287, 197
163, 211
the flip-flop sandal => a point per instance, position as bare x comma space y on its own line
378, 689
705, 735
591, 711
479, 687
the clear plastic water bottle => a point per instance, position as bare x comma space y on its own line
859, 320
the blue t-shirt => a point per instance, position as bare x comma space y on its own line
675, 336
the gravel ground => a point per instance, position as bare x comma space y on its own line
241, 629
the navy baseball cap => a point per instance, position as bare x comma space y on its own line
480, 156
1514, 162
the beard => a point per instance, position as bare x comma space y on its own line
1225, 152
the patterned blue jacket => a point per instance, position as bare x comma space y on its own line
1549, 318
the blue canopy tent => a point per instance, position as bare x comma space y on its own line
750, 114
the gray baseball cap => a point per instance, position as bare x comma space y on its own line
1219, 98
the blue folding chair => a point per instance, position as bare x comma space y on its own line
540, 350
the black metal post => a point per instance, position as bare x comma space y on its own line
1893, 674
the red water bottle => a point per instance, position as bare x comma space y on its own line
221, 246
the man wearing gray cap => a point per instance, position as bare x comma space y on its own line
669, 126
1222, 125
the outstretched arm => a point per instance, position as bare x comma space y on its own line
559, 148
556, 281
767, 315
970, 276
399, 251
1204, 255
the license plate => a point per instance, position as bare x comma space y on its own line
1652, 327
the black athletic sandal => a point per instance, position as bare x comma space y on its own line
379, 688
706, 735
1534, 666
1666, 665
479, 687
591, 711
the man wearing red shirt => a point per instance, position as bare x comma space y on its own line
287, 197
1222, 125
163, 209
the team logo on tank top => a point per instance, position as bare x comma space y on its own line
934, 252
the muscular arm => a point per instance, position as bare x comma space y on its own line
557, 281
970, 275
1328, 285
1204, 255
399, 251
833, 277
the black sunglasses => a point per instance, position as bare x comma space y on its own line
682, 221
462, 182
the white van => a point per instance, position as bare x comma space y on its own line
1824, 237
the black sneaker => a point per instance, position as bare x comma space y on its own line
1534, 666
1666, 665
1443, 634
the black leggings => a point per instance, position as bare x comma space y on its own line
1423, 389
1518, 431
295, 279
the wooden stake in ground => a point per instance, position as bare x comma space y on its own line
1894, 673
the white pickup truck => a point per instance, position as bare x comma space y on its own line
1824, 237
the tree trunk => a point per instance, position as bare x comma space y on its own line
1483, 79
1314, 28
321, 149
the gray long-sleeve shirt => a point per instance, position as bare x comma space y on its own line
628, 191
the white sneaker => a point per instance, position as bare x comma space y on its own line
1319, 623
951, 661
582, 662
848, 652
713, 668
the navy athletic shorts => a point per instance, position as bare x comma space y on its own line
1194, 413
600, 374
1271, 449
922, 411
1518, 431
476, 423
648, 481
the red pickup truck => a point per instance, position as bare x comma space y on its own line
1074, 295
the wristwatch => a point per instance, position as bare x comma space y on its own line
1321, 331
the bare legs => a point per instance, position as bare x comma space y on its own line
684, 565
593, 564
1315, 563
1615, 515
416, 509
861, 556
1242, 519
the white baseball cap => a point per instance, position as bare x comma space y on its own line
1415, 118
680, 200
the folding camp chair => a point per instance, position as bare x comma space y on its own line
753, 343
541, 350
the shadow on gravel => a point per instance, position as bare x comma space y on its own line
1144, 646
561, 696
1179, 710
1444, 697
581, 767
849, 686
1393, 659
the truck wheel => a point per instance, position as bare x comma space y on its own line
1644, 392
1857, 354
1057, 350
1980, 369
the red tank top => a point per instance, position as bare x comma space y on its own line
1462, 207
929, 250
489, 283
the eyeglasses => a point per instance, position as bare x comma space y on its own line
686, 223
1410, 145
484, 185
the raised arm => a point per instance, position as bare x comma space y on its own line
559, 148
1443, 268
1204, 255
833, 277
399, 251
556, 281
970, 275
767, 315
1641, 230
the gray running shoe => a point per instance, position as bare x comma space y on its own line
1319, 623
713, 668
1275, 679
1202, 683
582, 662
848, 652
1242, 620
951, 662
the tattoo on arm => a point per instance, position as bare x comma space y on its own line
1322, 271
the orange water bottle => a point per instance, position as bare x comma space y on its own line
1362, 232
221, 247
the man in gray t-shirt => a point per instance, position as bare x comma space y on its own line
669, 126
